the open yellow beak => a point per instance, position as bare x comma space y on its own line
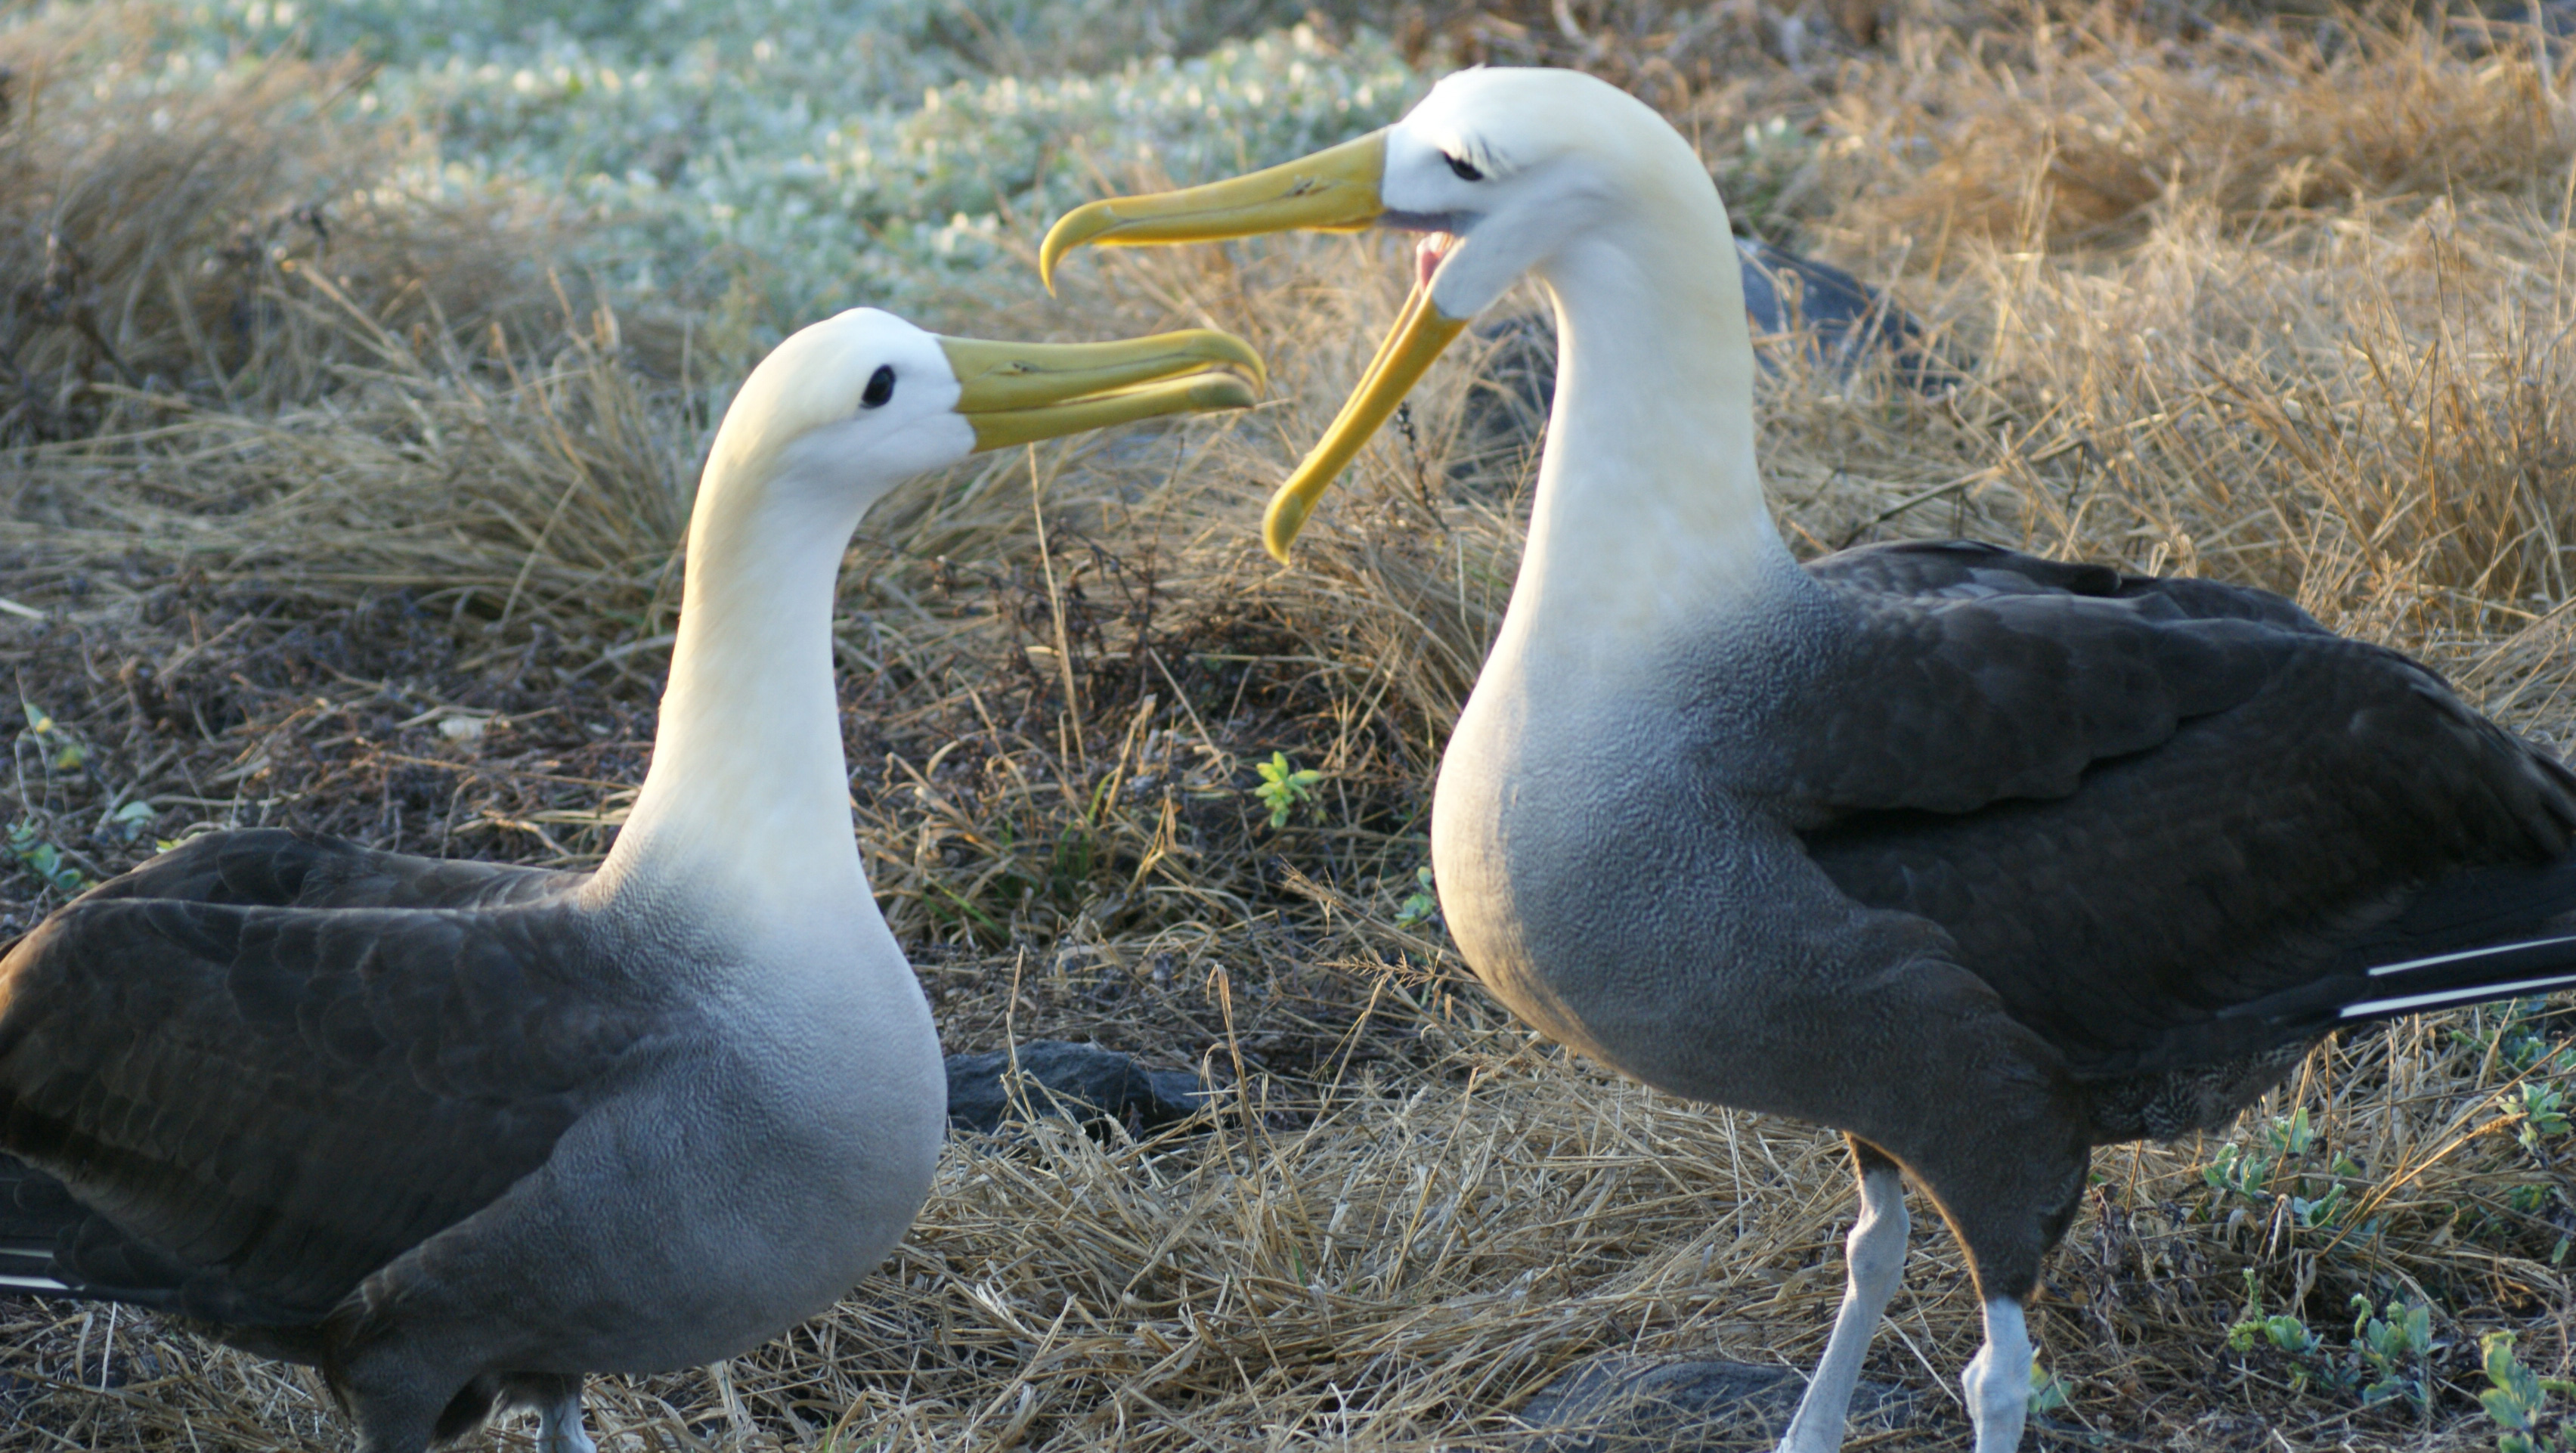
1016, 393
1332, 191
1420, 332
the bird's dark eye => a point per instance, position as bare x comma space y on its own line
880, 387
1465, 169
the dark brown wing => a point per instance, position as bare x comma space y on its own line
2136, 807
277, 1101
1969, 569
1967, 696
281, 868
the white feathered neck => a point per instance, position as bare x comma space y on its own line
748, 793
745, 811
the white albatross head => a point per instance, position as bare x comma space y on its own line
1505, 171
852, 406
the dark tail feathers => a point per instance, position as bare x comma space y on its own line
2494, 933
2486, 934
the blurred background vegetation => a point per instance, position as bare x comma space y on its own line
768, 161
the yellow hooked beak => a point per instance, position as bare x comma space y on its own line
1016, 393
1332, 191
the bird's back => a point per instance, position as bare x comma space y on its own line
2194, 910
284, 868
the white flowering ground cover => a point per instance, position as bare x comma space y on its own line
819, 156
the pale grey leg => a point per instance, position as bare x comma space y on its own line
559, 1426
1875, 1257
1997, 1382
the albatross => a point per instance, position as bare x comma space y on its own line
1982, 859
461, 1133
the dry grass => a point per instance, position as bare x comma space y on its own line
2086, 129
146, 231
2282, 304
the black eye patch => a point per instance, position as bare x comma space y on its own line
880, 387
1466, 170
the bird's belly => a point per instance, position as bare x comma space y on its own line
827, 1199
1671, 932
706, 1210
1546, 880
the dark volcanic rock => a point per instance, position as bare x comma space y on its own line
1620, 1404
1787, 298
1841, 318
1791, 302
1080, 1081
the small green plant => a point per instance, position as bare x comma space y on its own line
2236, 1170
44, 859
2521, 1042
2282, 1330
131, 819
2249, 1174
2394, 1345
62, 753
2390, 1356
2518, 1399
1284, 787
2317, 1212
2544, 1113
2048, 1391
2293, 1135
1421, 903
1774, 166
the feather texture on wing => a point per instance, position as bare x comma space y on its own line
283, 1086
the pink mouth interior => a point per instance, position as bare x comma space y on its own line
1427, 255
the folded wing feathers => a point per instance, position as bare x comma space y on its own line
274, 1101
2253, 828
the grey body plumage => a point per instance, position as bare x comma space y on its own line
447, 1130
2170, 826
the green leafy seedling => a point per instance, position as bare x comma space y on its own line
2318, 1211
1284, 787
2394, 1344
133, 818
2519, 1398
2291, 1135
2310, 1363
44, 859
61, 752
1775, 155
2239, 1171
2048, 1391
2544, 1112
2282, 1330
1420, 904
